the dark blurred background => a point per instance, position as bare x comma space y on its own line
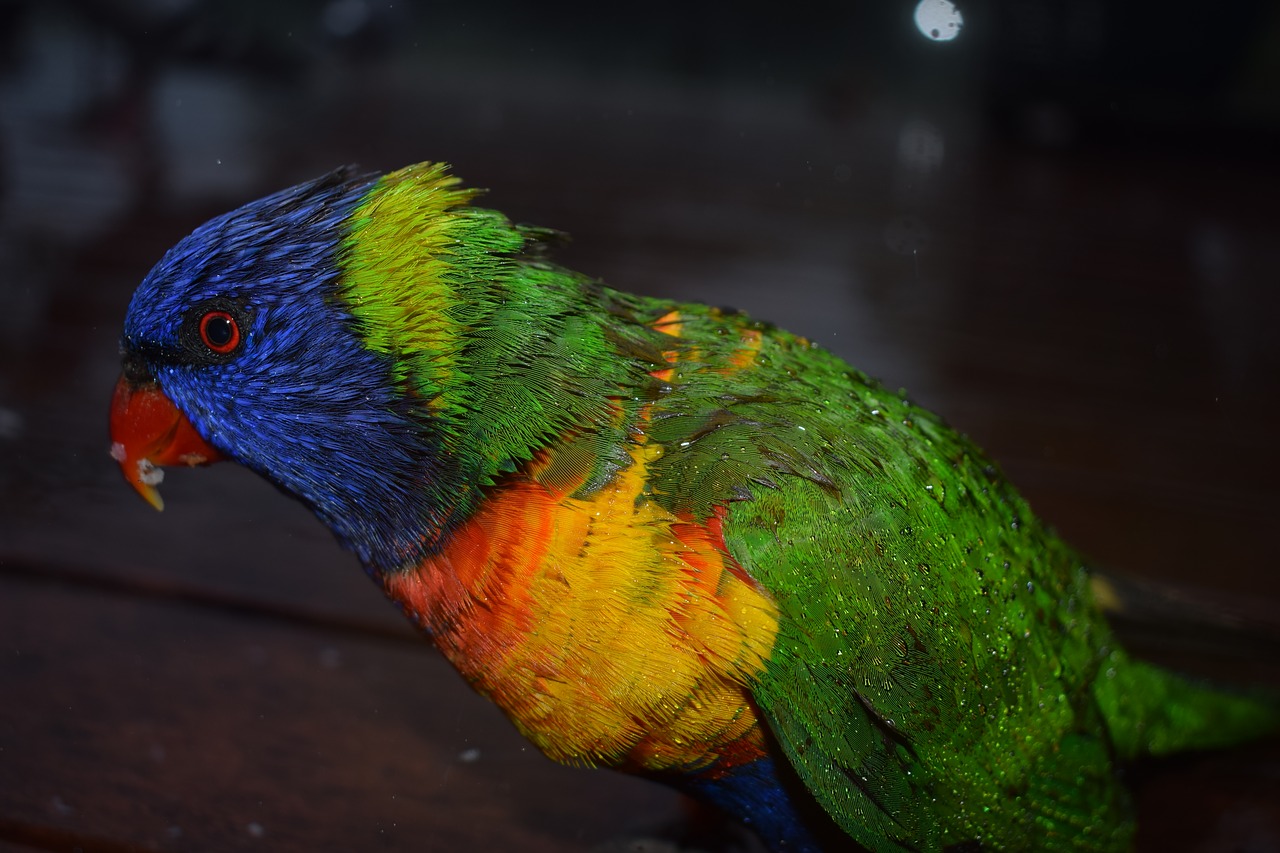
1054, 222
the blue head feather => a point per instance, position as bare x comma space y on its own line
303, 402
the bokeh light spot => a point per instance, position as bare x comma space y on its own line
938, 20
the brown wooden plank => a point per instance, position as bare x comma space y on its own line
172, 727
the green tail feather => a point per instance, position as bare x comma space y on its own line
1151, 711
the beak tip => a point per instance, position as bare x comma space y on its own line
148, 431
142, 475
152, 496
146, 477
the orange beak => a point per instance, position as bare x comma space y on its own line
148, 431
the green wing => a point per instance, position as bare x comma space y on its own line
932, 679
926, 693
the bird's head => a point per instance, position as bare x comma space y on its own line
224, 331
250, 340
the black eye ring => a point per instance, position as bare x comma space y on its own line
215, 331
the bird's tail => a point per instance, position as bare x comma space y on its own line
1152, 710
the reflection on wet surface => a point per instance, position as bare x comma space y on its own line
1082, 281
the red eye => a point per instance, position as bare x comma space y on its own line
220, 332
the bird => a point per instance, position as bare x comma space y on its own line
663, 537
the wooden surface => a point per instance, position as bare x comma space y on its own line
222, 677
180, 726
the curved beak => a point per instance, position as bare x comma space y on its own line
148, 431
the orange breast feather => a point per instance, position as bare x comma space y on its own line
610, 631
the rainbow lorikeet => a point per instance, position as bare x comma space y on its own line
664, 538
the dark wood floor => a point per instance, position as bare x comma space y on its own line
221, 676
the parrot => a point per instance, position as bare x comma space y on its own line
665, 538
